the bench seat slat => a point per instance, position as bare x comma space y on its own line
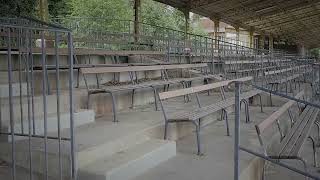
274, 116
284, 70
181, 92
206, 110
295, 150
293, 134
100, 70
286, 79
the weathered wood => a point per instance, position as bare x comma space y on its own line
181, 92
295, 132
284, 70
274, 116
254, 62
100, 70
84, 51
295, 149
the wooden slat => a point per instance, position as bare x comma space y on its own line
254, 62
283, 70
85, 51
296, 148
295, 132
100, 70
274, 116
181, 92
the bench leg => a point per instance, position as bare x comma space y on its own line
318, 134
78, 76
270, 96
199, 153
155, 98
88, 101
246, 107
224, 115
304, 165
132, 98
260, 99
114, 109
247, 111
292, 158
166, 123
314, 151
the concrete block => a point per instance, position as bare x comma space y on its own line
95, 153
131, 162
4, 90
81, 117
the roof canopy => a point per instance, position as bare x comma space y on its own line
296, 20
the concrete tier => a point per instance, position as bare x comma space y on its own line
81, 117
4, 90
131, 162
20, 107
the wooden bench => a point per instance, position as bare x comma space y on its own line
286, 76
290, 143
134, 83
194, 116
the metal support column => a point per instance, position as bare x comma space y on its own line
216, 33
237, 131
270, 44
237, 39
251, 37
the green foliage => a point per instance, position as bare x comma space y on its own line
161, 15
59, 8
113, 9
315, 52
17, 7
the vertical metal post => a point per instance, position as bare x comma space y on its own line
319, 78
237, 131
72, 137
44, 96
58, 101
20, 81
13, 147
29, 46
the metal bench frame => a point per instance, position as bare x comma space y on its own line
261, 127
132, 73
196, 115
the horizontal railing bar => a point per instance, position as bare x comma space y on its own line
34, 28
279, 163
286, 96
35, 136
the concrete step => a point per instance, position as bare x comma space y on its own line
4, 90
87, 155
131, 162
81, 117
20, 106
15, 76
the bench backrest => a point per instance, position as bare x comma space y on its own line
196, 89
101, 70
261, 127
284, 70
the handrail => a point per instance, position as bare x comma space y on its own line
278, 163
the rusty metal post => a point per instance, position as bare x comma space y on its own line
137, 6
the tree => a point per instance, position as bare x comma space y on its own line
162, 15
59, 8
17, 7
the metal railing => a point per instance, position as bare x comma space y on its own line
304, 70
115, 34
25, 109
